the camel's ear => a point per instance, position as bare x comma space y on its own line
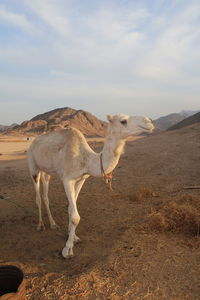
110, 118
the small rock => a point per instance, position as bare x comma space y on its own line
155, 194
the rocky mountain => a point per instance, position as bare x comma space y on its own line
186, 122
165, 122
5, 127
2, 127
188, 113
87, 123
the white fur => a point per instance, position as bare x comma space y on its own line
67, 153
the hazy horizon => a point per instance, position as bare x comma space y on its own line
104, 117
133, 57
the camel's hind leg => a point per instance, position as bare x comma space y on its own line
36, 182
45, 180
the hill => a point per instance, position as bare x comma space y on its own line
5, 127
188, 113
186, 122
165, 122
87, 123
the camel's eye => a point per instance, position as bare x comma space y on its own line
124, 122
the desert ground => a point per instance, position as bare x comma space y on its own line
139, 241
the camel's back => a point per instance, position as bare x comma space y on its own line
54, 148
55, 141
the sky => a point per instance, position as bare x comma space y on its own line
138, 57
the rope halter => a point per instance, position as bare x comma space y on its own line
107, 178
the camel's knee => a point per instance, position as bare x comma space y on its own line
45, 200
38, 200
75, 219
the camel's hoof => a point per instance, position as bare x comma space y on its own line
40, 227
77, 239
54, 226
67, 252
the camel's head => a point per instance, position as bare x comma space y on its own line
123, 126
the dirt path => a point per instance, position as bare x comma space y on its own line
13, 148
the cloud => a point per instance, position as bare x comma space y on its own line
51, 13
109, 40
97, 49
58, 73
128, 57
174, 48
113, 25
14, 20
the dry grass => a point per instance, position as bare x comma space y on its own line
178, 215
142, 193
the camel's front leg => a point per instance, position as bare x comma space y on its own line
74, 217
78, 185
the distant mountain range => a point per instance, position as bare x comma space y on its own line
166, 122
88, 124
186, 122
5, 127
188, 113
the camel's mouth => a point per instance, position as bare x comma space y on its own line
150, 128
142, 127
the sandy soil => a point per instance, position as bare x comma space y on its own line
13, 148
120, 255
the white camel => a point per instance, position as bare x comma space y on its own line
67, 153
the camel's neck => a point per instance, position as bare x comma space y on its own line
111, 153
